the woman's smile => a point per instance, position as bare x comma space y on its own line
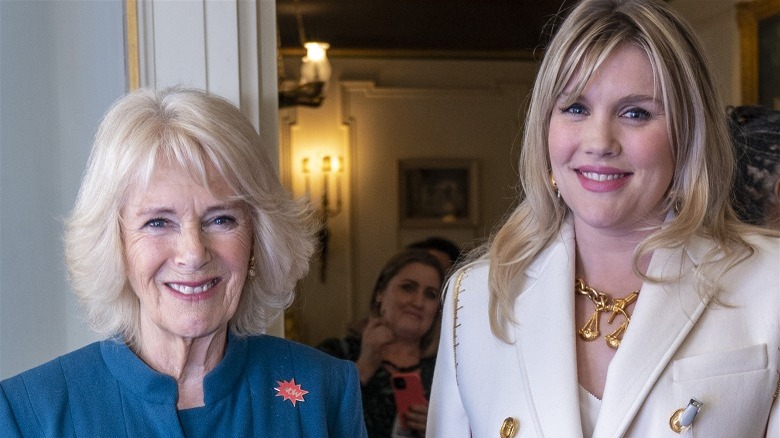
601, 177
193, 288
601, 180
414, 313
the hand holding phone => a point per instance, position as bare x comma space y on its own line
407, 391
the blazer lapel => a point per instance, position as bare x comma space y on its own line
663, 317
545, 342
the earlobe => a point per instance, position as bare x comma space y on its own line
251, 269
378, 304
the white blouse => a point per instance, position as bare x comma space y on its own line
589, 411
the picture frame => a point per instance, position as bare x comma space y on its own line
759, 29
438, 193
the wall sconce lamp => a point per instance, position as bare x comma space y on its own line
330, 167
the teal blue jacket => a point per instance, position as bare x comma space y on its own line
105, 390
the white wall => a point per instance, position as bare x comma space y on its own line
715, 22
61, 66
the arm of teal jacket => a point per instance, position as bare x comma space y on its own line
350, 422
8, 424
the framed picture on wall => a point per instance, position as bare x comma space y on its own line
759, 28
438, 193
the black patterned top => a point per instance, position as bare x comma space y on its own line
378, 403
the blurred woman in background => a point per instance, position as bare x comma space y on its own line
404, 314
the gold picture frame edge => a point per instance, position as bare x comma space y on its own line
131, 45
749, 13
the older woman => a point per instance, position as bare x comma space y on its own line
182, 247
403, 322
621, 297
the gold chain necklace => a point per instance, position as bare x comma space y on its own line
604, 303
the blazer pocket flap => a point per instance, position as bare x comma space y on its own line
721, 363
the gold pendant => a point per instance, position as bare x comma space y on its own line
613, 339
590, 331
619, 305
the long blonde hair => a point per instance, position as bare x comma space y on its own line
698, 133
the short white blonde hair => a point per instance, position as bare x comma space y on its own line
192, 128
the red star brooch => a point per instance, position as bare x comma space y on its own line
288, 390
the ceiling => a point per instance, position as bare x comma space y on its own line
420, 28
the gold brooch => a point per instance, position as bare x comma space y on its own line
682, 419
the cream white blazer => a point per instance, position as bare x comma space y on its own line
676, 348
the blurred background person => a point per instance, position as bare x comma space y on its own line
404, 314
446, 251
182, 247
755, 131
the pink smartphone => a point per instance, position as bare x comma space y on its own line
407, 390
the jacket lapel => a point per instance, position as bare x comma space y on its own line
663, 317
544, 342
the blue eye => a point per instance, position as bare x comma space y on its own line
575, 108
224, 222
156, 223
637, 113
